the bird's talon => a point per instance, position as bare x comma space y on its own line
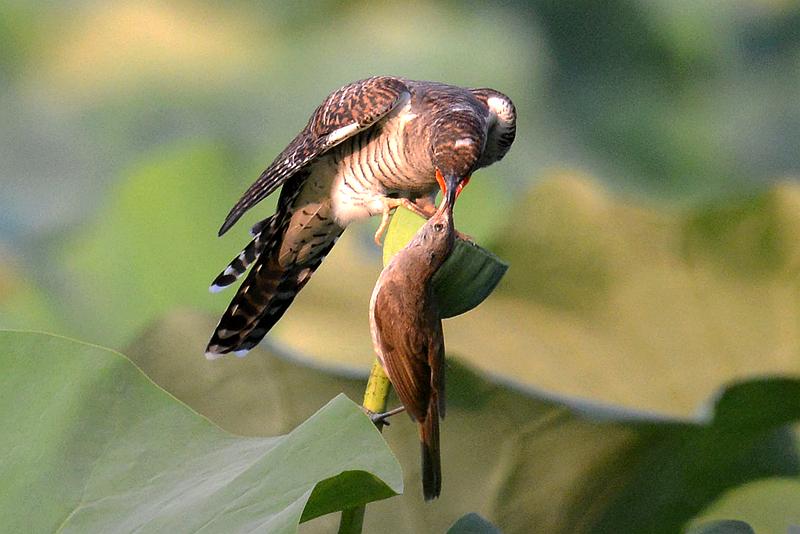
464, 237
382, 227
383, 418
425, 211
379, 419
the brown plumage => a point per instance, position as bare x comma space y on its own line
407, 332
370, 146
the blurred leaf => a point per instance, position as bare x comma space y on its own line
468, 275
92, 445
120, 50
517, 457
722, 526
607, 298
22, 304
668, 113
771, 505
621, 302
153, 247
473, 523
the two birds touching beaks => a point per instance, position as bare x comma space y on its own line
370, 147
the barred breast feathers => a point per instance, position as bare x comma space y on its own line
374, 165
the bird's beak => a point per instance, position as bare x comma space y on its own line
452, 190
451, 186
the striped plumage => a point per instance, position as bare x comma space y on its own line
369, 147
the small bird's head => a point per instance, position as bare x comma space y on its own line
434, 241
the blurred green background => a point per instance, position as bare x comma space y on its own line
649, 208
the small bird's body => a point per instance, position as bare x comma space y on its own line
407, 333
369, 147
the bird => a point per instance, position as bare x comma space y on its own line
406, 330
371, 146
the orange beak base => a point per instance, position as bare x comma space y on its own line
443, 184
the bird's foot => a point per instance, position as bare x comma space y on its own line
381, 418
389, 205
464, 237
424, 207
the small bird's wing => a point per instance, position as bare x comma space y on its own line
436, 362
502, 123
405, 337
346, 112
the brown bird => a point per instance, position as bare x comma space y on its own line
369, 147
407, 330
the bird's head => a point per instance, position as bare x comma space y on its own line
436, 237
457, 146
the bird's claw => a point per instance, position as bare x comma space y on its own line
379, 419
422, 207
382, 228
464, 237
382, 418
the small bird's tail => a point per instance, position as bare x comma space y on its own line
431, 456
286, 250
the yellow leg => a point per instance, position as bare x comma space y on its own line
424, 207
389, 204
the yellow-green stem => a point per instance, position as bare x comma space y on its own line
377, 390
375, 395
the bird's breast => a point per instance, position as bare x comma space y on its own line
378, 163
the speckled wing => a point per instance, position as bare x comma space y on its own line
346, 112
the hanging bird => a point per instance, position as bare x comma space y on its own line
407, 334
370, 147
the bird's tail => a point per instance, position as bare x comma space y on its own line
238, 265
431, 456
287, 250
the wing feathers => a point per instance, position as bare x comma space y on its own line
345, 112
404, 351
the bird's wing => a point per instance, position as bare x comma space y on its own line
404, 349
502, 123
436, 362
346, 112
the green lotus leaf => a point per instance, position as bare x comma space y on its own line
92, 445
465, 280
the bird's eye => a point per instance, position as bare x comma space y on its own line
438, 227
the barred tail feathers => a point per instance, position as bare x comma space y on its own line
291, 252
239, 265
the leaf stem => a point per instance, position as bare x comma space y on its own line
375, 395
352, 520
377, 390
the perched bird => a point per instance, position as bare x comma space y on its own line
370, 147
407, 333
